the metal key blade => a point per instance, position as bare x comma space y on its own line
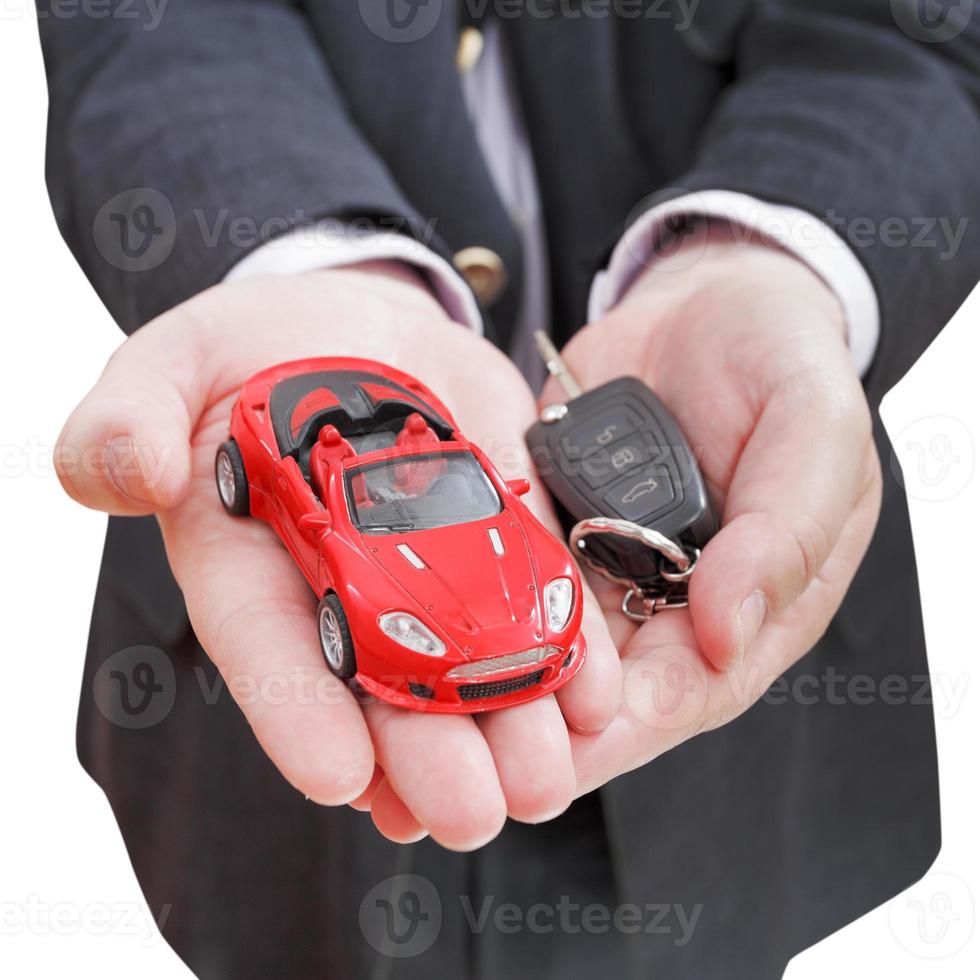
557, 368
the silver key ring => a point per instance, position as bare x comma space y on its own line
649, 604
669, 548
675, 567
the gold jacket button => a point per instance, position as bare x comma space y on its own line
469, 49
484, 272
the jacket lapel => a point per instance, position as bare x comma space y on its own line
414, 115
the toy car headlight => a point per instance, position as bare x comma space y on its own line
410, 633
558, 595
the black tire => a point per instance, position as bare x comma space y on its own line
234, 494
336, 643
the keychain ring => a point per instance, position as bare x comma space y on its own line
650, 606
671, 553
680, 574
667, 547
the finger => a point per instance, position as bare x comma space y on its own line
363, 802
664, 682
552, 393
125, 448
590, 700
442, 769
789, 635
538, 784
255, 617
610, 597
672, 694
797, 480
392, 818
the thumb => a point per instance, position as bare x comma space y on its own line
125, 449
801, 474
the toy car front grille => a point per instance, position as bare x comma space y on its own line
494, 689
502, 664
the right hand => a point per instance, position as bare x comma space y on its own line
156, 417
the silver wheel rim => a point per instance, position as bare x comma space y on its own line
226, 479
330, 638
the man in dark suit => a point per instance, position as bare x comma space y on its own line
753, 205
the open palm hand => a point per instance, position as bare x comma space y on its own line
746, 346
156, 417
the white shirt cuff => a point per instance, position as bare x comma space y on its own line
328, 245
801, 234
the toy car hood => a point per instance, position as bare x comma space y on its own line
468, 578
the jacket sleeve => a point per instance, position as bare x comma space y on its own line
182, 135
867, 117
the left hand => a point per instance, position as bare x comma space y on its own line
747, 348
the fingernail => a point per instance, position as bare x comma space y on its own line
751, 616
123, 469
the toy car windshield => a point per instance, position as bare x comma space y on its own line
419, 492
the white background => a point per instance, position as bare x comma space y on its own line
69, 902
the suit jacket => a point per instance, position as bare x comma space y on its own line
788, 823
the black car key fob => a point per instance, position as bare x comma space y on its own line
616, 454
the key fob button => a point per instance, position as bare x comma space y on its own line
603, 430
618, 452
641, 495
602, 466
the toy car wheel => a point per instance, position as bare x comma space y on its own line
335, 638
229, 474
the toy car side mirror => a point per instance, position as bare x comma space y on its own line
519, 487
317, 520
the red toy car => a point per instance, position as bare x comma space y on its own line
439, 589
